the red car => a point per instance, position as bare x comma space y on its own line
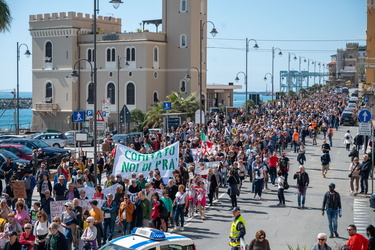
21, 151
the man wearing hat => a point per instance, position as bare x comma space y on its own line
332, 204
13, 242
109, 209
238, 229
59, 189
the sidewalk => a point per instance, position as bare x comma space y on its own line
363, 214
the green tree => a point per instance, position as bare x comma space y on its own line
179, 104
138, 117
5, 18
153, 117
250, 103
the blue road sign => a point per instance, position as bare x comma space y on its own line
365, 99
364, 115
89, 113
166, 105
78, 116
104, 113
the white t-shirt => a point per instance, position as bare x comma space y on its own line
280, 180
259, 174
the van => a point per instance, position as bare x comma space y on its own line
348, 117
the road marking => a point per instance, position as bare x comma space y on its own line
360, 216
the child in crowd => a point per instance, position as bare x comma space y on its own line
34, 211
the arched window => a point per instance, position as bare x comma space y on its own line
133, 55
89, 55
183, 41
183, 6
48, 97
48, 52
130, 94
111, 93
90, 93
113, 58
108, 55
130, 54
156, 98
156, 54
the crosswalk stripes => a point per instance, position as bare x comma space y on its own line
360, 214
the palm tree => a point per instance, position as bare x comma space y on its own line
153, 117
179, 104
5, 18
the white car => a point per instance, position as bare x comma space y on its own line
144, 238
57, 140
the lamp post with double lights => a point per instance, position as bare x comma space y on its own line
273, 68
237, 79
213, 33
299, 67
188, 78
295, 58
265, 78
27, 54
308, 70
314, 62
118, 90
246, 79
116, 4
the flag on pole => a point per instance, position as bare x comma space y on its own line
205, 144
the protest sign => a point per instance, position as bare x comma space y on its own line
128, 161
57, 207
19, 189
90, 191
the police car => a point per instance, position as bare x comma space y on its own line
144, 238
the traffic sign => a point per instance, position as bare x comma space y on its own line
364, 115
364, 128
365, 99
100, 125
89, 113
99, 116
78, 116
167, 105
104, 113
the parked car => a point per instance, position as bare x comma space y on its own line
70, 135
2, 137
57, 140
345, 90
126, 139
15, 159
353, 99
348, 117
21, 151
53, 155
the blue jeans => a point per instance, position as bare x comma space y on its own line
108, 227
179, 213
303, 195
330, 140
332, 220
126, 227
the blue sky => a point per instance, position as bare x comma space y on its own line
312, 29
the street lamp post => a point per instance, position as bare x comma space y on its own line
188, 78
265, 78
237, 79
27, 54
213, 33
314, 62
116, 4
273, 68
295, 58
246, 79
118, 90
308, 70
299, 68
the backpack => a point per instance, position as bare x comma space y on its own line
163, 212
347, 137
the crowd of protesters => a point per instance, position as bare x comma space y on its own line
244, 145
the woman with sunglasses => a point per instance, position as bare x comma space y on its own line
259, 242
57, 220
41, 230
125, 214
89, 235
12, 225
321, 244
27, 238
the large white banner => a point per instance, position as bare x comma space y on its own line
57, 207
128, 161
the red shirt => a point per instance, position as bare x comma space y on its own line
155, 211
272, 162
357, 242
24, 240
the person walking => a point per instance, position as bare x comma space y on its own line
284, 165
325, 159
330, 135
233, 191
280, 189
365, 173
272, 163
301, 158
98, 216
332, 205
322, 243
110, 210
347, 140
302, 184
356, 241
238, 229
354, 169
259, 175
